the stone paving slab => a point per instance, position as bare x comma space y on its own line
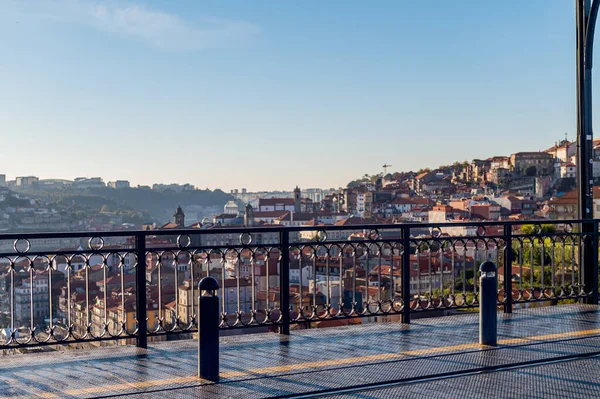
267, 364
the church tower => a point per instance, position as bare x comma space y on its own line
248, 216
179, 217
297, 194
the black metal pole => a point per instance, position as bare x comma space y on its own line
582, 178
406, 275
140, 273
284, 282
580, 60
585, 146
508, 260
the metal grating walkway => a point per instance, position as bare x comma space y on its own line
570, 380
270, 365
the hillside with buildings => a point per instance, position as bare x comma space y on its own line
523, 185
520, 186
30, 203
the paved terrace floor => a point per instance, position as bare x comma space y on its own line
310, 361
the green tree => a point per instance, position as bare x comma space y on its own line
537, 253
529, 229
373, 178
537, 280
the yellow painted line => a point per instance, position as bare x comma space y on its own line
138, 385
307, 365
547, 337
116, 387
565, 335
513, 341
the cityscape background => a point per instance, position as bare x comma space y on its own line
526, 185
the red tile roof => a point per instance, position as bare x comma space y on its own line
170, 225
354, 221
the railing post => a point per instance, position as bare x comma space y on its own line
589, 260
594, 261
488, 304
508, 261
140, 277
405, 275
284, 282
208, 329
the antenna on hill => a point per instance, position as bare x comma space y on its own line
385, 166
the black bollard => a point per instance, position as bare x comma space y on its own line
488, 307
208, 329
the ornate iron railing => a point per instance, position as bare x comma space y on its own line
96, 288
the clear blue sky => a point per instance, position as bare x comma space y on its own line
270, 94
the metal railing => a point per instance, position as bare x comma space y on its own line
137, 286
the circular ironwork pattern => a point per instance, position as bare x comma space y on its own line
321, 236
96, 243
184, 241
22, 245
245, 239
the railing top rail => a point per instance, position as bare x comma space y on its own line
277, 229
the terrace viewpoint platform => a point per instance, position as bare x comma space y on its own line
316, 360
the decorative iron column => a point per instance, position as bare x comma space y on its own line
586, 14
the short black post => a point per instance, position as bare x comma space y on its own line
284, 283
405, 272
208, 329
508, 260
141, 300
488, 304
